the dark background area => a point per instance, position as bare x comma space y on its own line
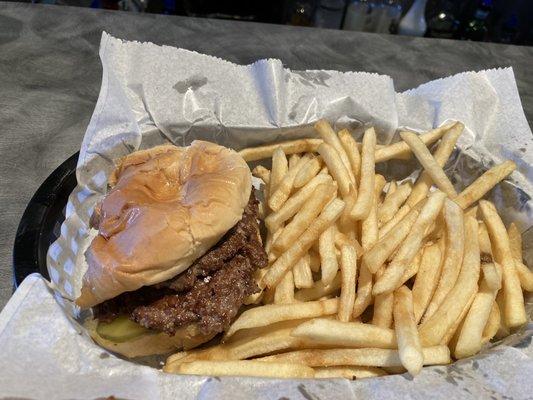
501, 21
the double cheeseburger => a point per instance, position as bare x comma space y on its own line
177, 248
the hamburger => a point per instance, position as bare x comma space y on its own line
177, 248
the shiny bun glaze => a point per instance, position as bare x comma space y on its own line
168, 205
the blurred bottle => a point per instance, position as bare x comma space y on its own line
414, 22
442, 20
329, 14
476, 27
356, 15
300, 13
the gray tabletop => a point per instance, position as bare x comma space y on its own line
50, 77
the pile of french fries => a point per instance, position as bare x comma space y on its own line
368, 277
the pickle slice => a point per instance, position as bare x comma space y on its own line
121, 329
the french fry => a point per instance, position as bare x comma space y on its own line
346, 224
484, 184
319, 290
303, 277
314, 260
484, 241
390, 280
280, 167
392, 203
370, 357
453, 257
336, 167
269, 314
433, 330
409, 347
503, 329
492, 275
348, 275
276, 219
391, 189
350, 147
452, 335
374, 258
328, 260
294, 159
284, 188
366, 184
493, 324
276, 329
284, 293
412, 267
401, 150
386, 228
262, 173
287, 260
443, 152
471, 334
426, 279
309, 171
431, 166
301, 221
245, 368
330, 137
514, 312
289, 147
383, 307
345, 334
524, 273
346, 372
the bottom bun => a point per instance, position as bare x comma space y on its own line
150, 344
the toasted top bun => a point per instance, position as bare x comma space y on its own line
168, 205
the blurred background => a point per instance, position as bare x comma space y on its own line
501, 21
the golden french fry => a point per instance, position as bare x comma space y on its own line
330, 137
390, 279
503, 329
345, 334
492, 275
269, 314
391, 189
294, 203
453, 257
443, 152
262, 173
346, 224
452, 335
374, 258
350, 147
284, 188
328, 260
309, 171
287, 260
280, 167
471, 212
303, 277
431, 166
493, 324
514, 312
370, 357
434, 329
366, 184
336, 167
392, 203
401, 150
301, 221
248, 335
293, 160
426, 279
524, 273
386, 228
484, 241
412, 267
470, 337
348, 275
245, 368
319, 290
289, 147
484, 184
284, 293
383, 306
353, 372
409, 346
314, 260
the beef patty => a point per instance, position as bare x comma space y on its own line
209, 293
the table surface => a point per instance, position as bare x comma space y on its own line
50, 77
